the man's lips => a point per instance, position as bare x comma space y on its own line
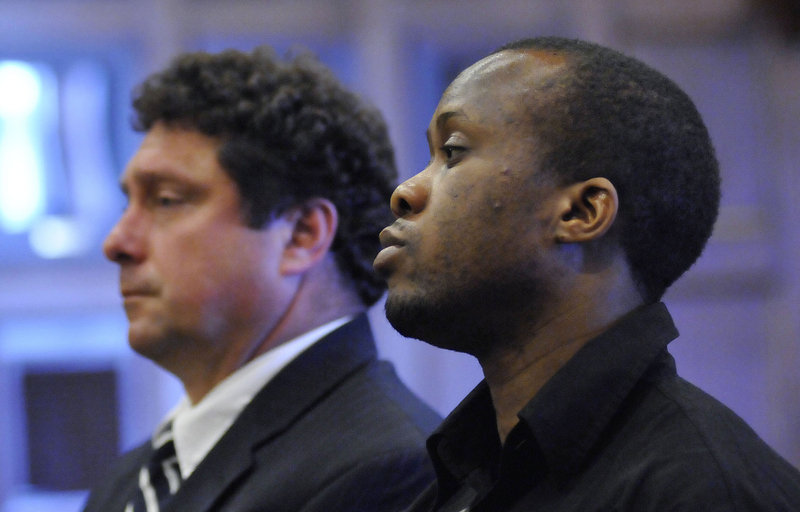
128, 292
392, 245
389, 239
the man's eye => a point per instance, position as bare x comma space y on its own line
166, 201
452, 153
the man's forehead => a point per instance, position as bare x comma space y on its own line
510, 69
504, 87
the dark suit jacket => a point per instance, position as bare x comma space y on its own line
335, 430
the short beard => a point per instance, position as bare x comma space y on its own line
477, 320
429, 321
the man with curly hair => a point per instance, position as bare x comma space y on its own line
568, 187
245, 253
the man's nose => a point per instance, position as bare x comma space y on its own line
124, 243
411, 196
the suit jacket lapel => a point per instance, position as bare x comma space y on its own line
284, 399
126, 475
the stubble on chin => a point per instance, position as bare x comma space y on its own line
437, 323
404, 315
476, 319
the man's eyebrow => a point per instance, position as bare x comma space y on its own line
149, 178
446, 116
442, 119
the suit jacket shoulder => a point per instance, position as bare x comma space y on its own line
334, 430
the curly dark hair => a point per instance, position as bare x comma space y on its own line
612, 116
290, 132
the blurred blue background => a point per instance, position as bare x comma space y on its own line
71, 391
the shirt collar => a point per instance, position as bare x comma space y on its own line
566, 417
574, 407
198, 427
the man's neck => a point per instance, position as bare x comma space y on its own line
230, 363
517, 371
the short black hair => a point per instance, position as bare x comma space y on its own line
290, 131
610, 115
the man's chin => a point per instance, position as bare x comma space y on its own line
146, 342
402, 315
418, 319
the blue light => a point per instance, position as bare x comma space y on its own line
21, 175
57, 237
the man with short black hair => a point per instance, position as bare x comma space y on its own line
568, 187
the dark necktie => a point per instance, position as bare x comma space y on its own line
160, 478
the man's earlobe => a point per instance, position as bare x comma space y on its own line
588, 210
314, 226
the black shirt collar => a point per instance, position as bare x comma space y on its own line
561, 424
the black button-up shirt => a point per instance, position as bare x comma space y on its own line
614, 430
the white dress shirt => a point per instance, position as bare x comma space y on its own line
198, 427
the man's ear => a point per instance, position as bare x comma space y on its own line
314, 226
587, 210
